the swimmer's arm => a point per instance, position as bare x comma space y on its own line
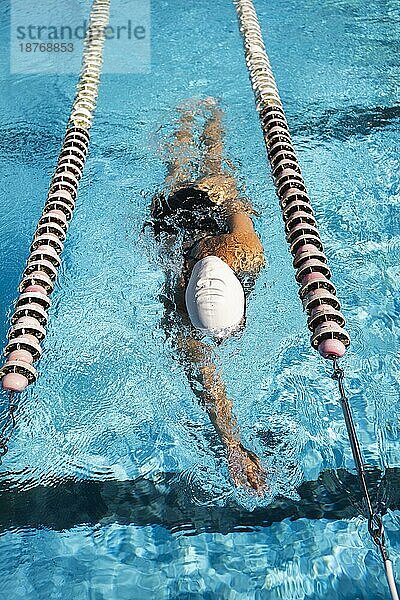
244, 465
218, 406
240, 222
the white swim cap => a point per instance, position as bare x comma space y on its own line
214, 297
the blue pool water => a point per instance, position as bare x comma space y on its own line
115, 485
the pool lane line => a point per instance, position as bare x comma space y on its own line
316, 291
62, 503
29, 320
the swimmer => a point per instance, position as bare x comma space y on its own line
202, 216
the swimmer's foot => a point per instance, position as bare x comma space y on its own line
245, 469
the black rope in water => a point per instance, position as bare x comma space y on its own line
375, 524
9, 424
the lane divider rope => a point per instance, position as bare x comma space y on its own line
29, 320
316, 290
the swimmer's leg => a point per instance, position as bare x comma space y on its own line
181, 156
182, 152
212, 139
218, 183
244, 466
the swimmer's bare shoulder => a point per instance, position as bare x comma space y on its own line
240, 248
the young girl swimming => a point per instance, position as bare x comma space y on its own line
222, 255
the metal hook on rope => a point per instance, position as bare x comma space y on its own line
375, 523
